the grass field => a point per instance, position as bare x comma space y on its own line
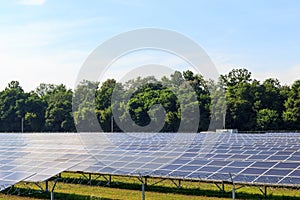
74, 186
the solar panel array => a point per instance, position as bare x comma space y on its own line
272, 158
261, 158
35, 157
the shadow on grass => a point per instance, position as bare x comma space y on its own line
136, 186
176, 190
46, 195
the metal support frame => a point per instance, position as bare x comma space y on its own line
52, 190
161, 180
144, 183
89, 178
239, 187
13, 189
46, 186
84, 176
39, 186
263, 190
178, 185
233, 187
143, 179
107, 179
143, 191
221, 188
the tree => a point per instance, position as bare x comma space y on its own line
291, 115
236, 77
103, 104
12, 107
35, 113
240, 97
43, 89
58, 114
201, 89
84, 106
249, 104
268, 119
218, 104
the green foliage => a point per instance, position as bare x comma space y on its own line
240, 101
35, 113
249, 104
12, 107
58, 113
84, 110
291, 115
103, 104
267, 119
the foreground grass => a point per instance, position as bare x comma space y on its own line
73, 186
75, 191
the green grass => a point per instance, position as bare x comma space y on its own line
73, 186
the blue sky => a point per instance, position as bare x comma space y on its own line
48, 40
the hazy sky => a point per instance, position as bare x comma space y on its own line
48, 40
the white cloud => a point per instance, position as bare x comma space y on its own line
285, 76
32, 2
126, 67
226, 62
36, 34
29, 53
31, 69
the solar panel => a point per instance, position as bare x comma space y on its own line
6, 184
9, 178
272, 158
33, 157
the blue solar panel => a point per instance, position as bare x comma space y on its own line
261, 164
278, 172
258, 158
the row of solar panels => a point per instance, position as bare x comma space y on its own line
260, 158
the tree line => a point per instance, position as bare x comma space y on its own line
250, 105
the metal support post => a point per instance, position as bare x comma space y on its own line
263, 190
233, 187
143, 180
112, 124
52, 190
265, 193
223, 188
178, 185
22, 124
46, 186
90, 179
143, 190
